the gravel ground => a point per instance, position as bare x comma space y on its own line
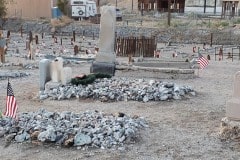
182, 129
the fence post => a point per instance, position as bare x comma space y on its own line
21, 31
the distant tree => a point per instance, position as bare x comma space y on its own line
3, 8
63, 6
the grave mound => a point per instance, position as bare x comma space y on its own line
88, 129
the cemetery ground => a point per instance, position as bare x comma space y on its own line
178, 129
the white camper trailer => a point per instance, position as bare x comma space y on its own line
83, 8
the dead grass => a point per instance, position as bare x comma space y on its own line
63, 21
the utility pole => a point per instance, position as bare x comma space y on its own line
98, 6
205, 5
132, 5
169, 12
215, 6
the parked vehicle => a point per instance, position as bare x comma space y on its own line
83, 8
118, 14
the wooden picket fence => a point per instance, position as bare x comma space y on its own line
135, 46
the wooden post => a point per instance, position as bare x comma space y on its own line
211, 40
8, 34
42, 32
21, 31
74, 38
169, 12
36, 39
2, 54
30, 37
215, 53
83, 34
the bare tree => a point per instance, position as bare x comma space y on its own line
3, 12
63, 6
3, 8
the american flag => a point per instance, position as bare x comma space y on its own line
203, 62
11, 104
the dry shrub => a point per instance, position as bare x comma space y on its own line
63, 21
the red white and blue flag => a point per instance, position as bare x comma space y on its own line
202, 61
11, 104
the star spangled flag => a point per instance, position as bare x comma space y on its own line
203, 62
11, 104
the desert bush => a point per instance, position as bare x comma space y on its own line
63, 21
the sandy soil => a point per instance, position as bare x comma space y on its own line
184, 129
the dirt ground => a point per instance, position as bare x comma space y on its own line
178, 129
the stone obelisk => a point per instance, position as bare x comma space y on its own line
106, 57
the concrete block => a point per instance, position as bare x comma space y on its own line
105, 68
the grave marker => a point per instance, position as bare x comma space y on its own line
233, 105
56, 69
44, 72
53, 71
105, 59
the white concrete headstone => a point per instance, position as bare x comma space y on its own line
56, 69
107, 35
66, 75
44, 73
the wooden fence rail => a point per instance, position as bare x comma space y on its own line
135, 46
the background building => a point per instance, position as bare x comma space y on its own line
229, 7
30, 8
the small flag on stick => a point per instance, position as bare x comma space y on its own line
203, 62
11, 104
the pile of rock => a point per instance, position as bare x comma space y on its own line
90, 128
120, 89
12, 74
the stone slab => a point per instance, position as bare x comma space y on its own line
233, 109
51, 85
233, 105
105, 68
66, 75
153, 72
181, 65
